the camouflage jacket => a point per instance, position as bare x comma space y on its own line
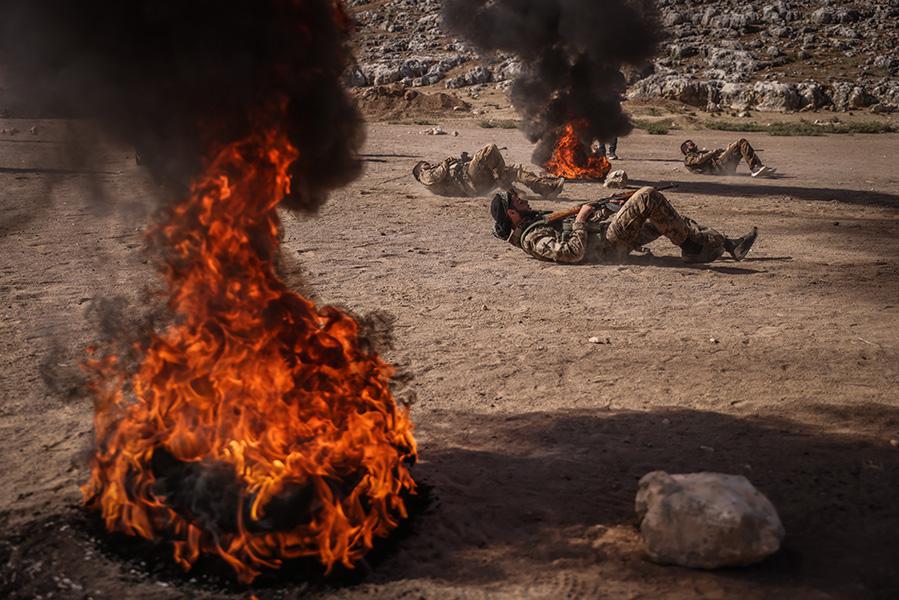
703, 161
565, 241
449, 178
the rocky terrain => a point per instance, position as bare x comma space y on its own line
789, 55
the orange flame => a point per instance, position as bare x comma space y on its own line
253, 379
571, 160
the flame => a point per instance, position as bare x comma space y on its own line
254, 384
571, 160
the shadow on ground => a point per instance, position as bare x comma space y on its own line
755, 187
567, 478
567, 472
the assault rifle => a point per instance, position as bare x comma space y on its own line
613, 203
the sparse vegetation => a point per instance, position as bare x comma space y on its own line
804, 127
734, 126
655, 127
499, 124
800, 128
870, 127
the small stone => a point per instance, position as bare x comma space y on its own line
706, 520
713, 340
595, 340
894, 443
616, 179
483, 307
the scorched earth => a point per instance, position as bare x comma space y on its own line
783, 367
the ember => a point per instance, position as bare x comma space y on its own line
572, 160
253, 386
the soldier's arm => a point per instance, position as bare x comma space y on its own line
436, 174
698, 160
549, 244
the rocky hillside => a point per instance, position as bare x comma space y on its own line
788, 55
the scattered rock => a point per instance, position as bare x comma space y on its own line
709, 46
706, 520
616, 179
434, 131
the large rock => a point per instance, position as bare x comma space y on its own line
775, 96
706, 520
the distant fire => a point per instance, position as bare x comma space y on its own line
257, 427
571, 158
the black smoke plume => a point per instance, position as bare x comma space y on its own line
571, 51
178, 78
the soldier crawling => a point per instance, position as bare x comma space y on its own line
598, 234
724, 161
478, 175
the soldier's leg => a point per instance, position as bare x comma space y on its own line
486, 168
739, 150
648, 205
730, 157
544, 186
749, 155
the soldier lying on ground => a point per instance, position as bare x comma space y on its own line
478, 175
723, 161
598, 234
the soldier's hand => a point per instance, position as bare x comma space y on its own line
584, 213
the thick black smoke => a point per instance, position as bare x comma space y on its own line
176, 78
572, 52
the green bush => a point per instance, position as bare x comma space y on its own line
655, 127
800, 128
869, 127
804, 127
734, 126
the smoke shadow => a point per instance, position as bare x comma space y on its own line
543, 490
566, 472
818, 194
51, 171
673, 262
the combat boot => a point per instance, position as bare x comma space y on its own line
693, 252
739, 247
544, 186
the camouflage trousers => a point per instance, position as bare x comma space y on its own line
488, 170
648, 215
734, 153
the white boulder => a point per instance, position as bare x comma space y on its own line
706, 520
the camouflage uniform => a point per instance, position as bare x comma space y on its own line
608, 237
722, 161
480, 174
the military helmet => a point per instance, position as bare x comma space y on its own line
683, 147
416, 170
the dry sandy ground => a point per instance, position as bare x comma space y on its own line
532, 439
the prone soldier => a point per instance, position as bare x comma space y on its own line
600, 233
724, 161
478, 175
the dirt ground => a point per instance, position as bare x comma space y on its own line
784, 368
